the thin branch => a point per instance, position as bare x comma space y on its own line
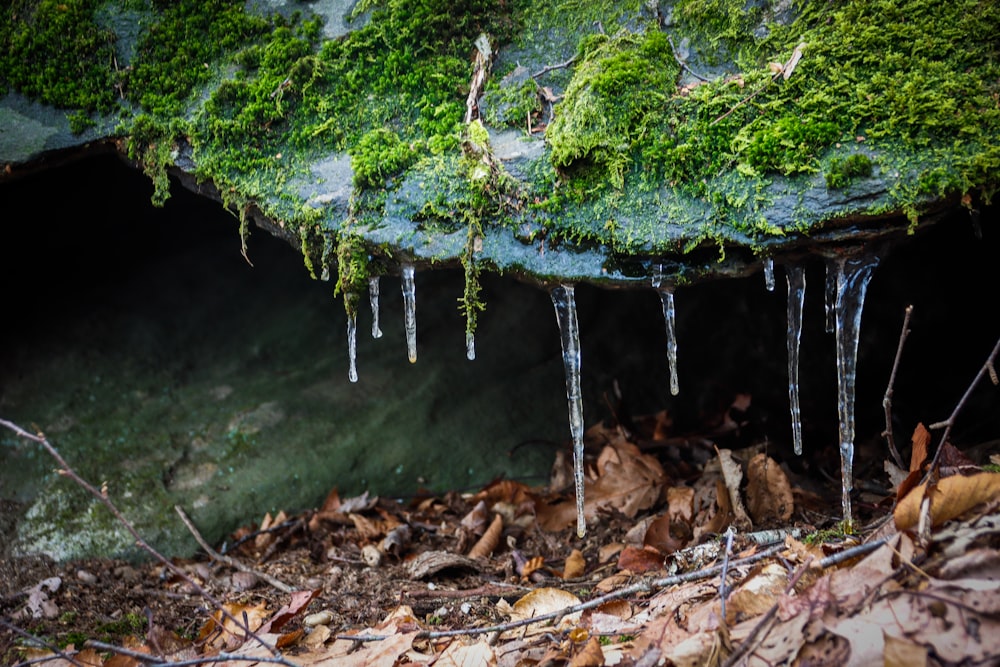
549, 68
730, 532
746, 99
101, 495
232, 562
683, 64
987, 367
55, 649
887, 401
207, 659
640, 587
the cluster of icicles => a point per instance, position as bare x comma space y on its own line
847, 278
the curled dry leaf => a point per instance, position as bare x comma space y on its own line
950, 498
431, 562
627, 481
590, 655
575, 565
769, 493
489, 541
732, 473
546, 600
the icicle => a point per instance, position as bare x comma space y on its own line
769, 274
352, 344
410, 312
373, 299
328, 251
565, 304
852, 276
830, 301
796, 277
470, 346
667, 298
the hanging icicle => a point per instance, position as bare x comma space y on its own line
410, 312
470, 346
352, 343
852, 276
564, 300
769, 273
669, 315
830, 300
796, 277
373, 300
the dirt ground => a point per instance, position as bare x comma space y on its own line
451, 578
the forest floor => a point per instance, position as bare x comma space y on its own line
695, 554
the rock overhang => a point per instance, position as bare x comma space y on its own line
704, 138
662, 144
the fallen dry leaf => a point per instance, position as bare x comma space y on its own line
300, 600
626, 480
590, 655
636, 560
489, 541
950, 498
222, 633
769, 493
732, 474
545, 601
460, 653
575, 565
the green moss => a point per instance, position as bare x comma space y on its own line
353, 270
842, 171
613, 101
172, 55
379, 155
52, 51
151, 143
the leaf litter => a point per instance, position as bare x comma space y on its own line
700, 551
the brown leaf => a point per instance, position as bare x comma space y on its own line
460, 654
489, 541
575, 565
921, 438
590, 655
646, 559
950, 498
626, 480
658, 536
295, 606
732, 473
220, 632
769, 493
431, 562
902, 653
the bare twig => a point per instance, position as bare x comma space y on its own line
640, 587
548, 68
746, 99
730, 532
987, 367
232, 562
202, 660
683, 64
887, 401
41, 642
101, 495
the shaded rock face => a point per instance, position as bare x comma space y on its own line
158, 360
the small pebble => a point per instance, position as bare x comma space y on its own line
243, 581
319, 618
371, 555
86, 577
